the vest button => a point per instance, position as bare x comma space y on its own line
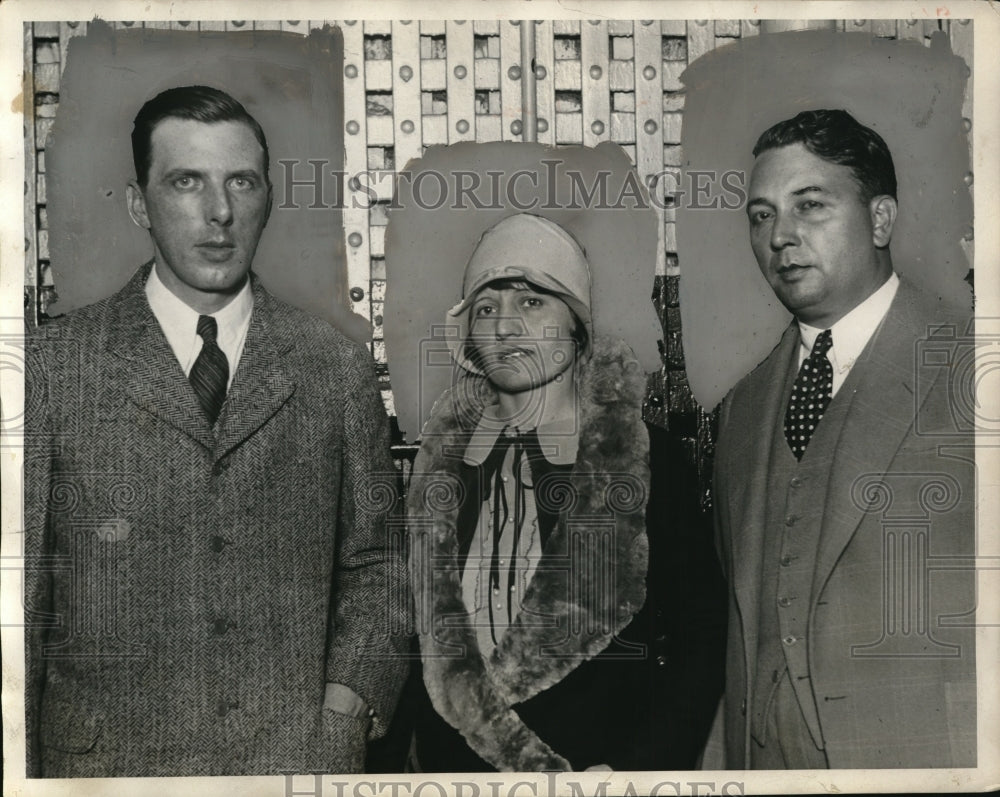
796, 481
790, 640
786, 561
218, 543
791, 520
784, 602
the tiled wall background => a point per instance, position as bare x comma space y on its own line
412, 84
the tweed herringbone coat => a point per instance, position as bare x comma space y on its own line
190, 592
891, 643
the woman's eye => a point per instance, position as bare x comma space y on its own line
532, 301
484, 309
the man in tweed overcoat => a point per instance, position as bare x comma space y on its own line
205, 595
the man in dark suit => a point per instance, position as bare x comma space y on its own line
843, 473
209, 585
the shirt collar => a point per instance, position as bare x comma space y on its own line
558, 438
179, 321
852, 332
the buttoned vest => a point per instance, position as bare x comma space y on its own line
796, 504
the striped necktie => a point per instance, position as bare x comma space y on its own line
210, 373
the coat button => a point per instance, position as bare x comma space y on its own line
225, 706
791, 520
786, 561
743, 707
219, 543
222, 625
790, 640
220, 467
114, 531
661, 660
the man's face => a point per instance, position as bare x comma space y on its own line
523, 338
205, 205
814, 238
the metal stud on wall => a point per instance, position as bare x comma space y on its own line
409, 84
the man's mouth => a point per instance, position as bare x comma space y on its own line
791, 270
220, 251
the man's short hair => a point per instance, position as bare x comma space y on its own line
197, 103
836, 136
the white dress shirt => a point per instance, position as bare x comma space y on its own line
852, 332
180, 324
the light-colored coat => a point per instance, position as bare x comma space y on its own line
191, 592
901, 463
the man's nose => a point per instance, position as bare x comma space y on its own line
219, 205
784, 232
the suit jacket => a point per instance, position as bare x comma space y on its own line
893, 674
189, 591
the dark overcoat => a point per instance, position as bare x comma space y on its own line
634, 686
189, 591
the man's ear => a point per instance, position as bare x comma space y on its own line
136, 204
883, 211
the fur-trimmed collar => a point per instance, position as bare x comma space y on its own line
575, 618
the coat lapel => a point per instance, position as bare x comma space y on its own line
884, 401
476, 698
262, 383
150, 374
760, 416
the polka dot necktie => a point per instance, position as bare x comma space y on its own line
811, 394
210, 372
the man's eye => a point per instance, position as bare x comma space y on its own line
184, 181
242, 183
759, 216
811, 204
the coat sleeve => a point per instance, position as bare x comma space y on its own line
37, 580
370, 622
713, 756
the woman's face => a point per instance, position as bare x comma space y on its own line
522, 339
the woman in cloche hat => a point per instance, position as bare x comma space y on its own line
527, 516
